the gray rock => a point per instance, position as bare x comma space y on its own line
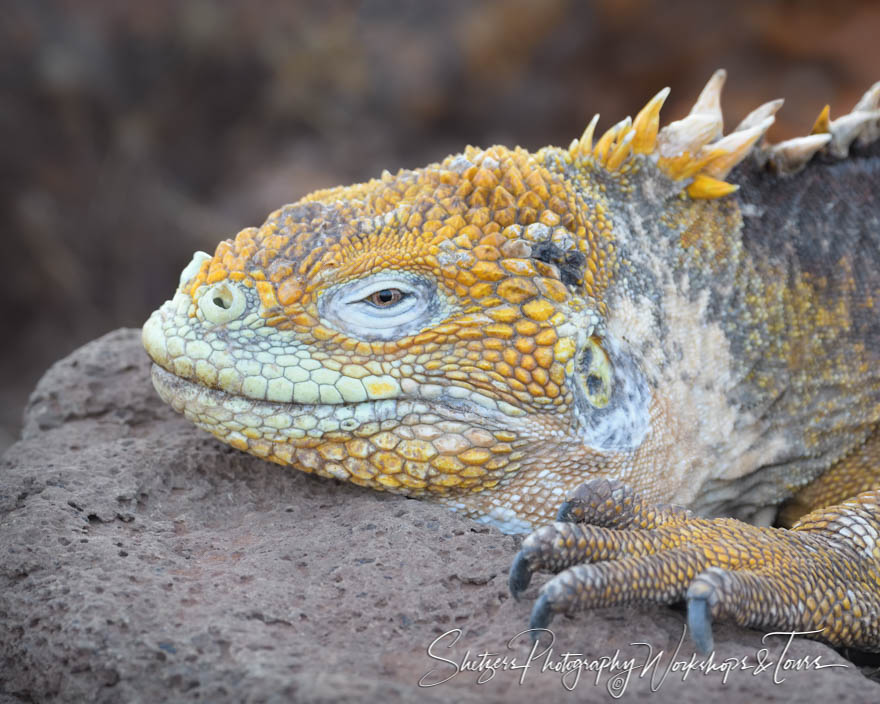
143, 561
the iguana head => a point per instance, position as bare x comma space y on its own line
419, 332
439, 331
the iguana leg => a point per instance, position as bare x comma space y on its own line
823, 575
590, 529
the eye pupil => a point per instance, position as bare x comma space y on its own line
385, 297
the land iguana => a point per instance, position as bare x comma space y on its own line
642, 320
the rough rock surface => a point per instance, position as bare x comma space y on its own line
143, 561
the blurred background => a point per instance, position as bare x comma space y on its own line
132, 133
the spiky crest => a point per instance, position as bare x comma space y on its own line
694, 151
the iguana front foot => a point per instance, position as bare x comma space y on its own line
612, 548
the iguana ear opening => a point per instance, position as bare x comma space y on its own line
596, 372
612, 396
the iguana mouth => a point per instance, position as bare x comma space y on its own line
406, 445
180, 390
219, 411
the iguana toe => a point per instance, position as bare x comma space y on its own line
821, 578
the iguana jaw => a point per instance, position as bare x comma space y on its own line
405, 445
423, 438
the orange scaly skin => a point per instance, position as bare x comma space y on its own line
493, 331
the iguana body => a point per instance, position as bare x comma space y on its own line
495, 330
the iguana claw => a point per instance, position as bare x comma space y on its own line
568, 512
520, 575
699, 615
822, 576
542, 615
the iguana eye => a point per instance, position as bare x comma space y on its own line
385, 298
383, 306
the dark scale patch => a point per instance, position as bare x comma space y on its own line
312, 227
570, 263
790, 229
800, 306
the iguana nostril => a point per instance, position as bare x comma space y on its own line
222, 303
